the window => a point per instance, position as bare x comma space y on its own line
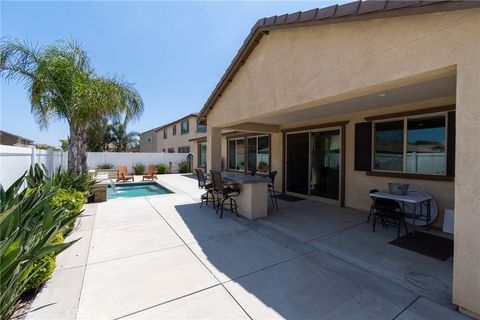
185, 149
412, 145
258, 154
202, 154
171, 150
163, 150
165, 134
236, 154
149, 139
201, 128
184, 127
174, 129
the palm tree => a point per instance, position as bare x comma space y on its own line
122, 139
62, 85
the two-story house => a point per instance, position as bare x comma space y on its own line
184, 135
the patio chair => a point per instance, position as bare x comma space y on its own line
271, 188
151, 172
389, 212
208, 187
224, 192
122, 174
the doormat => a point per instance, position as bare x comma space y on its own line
286, 197
427, 244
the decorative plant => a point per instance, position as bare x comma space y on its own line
162, 168
183, 167
138, 168
62, 84
105, 165
28, 225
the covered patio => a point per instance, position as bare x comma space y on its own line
356, 96
164, 257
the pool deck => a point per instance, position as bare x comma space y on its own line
162, 257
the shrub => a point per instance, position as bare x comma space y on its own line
138, 168
71, 202
43, 267
28, 226
105, 165
162, 168
183, 167
37, 176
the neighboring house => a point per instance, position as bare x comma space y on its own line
184, 135
345, 99
11, 139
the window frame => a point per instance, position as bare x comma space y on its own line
201, 131
245, 139
199, 148
405, 144
174, 130
188, 127
182, 148
165, 134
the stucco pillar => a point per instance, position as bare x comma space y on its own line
276, 148
466, 271
214, 148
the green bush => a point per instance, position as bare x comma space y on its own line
71, 202
28, 226
183, 167
105, 165
138, 168
37, 176
43, 268
162, 168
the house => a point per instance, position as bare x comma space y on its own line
11, 139
354, 96
184, 135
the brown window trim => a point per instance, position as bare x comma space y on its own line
245, 137
410, 113
404, 175
318, 126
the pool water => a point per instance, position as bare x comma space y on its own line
130, 190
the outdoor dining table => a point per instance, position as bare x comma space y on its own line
416, 200
253, 199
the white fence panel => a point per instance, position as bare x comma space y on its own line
14, 161
94, 159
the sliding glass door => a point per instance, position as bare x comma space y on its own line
325, 164
297, 163
313, 160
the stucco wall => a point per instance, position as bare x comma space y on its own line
148, 146
178, 140
297, 68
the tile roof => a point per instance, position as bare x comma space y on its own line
349, 12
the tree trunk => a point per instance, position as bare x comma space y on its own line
77, 149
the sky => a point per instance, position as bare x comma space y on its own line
174, 52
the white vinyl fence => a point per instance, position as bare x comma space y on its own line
94, 159
14, 161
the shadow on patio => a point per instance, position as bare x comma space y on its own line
314, 260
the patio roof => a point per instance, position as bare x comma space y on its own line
350, 12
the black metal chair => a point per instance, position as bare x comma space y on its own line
224, 193
208, 187
372, 205
389, 212
271, 188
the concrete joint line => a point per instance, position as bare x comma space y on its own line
190, 249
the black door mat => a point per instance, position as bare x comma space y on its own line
286, 197
427, 244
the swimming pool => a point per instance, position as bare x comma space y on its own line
139, 189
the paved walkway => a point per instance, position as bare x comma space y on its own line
163, 257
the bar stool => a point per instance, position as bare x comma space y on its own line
208, 187
271, 188
224, 192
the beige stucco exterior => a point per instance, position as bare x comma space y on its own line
153, 140
294, 69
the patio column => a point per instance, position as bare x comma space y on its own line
466, 276
214, 148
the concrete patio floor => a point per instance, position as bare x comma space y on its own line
162, 257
